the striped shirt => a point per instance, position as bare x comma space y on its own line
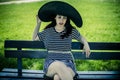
53, 41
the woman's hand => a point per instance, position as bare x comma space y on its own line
86, 49
36, 30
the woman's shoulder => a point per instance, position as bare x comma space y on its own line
74, 30
48, 29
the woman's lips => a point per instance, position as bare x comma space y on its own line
61, 23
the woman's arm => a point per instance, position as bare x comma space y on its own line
86, 47
36, 30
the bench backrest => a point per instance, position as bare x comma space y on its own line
36, 49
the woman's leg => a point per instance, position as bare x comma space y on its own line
59, 68
56, 77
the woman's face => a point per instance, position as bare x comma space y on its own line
60, 20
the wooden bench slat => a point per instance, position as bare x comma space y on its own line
104, 45
82, 74
25, 54
79, 72
23, 44
24, 70
27, 74
98, 56
75, 45
98, 45
77, 55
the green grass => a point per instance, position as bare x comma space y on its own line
101, 23
7, 0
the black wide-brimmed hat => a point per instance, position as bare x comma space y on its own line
49, 10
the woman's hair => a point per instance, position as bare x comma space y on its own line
68, 27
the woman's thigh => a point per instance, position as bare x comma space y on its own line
59, 67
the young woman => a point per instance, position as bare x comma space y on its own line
57, 37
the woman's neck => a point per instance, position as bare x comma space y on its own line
59, 28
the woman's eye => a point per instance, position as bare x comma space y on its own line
65, 17
59, 17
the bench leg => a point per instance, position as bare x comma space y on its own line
19, 67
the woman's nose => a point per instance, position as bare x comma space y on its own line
61, 19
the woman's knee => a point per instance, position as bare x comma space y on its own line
56, 77
71, 71
61, 69
53, 68
59, 65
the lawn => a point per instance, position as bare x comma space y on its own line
101, 23
8, 0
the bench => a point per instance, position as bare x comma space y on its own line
35, 49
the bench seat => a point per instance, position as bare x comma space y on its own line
38, 74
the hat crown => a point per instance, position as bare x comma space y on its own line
50, 9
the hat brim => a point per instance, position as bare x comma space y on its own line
49, 10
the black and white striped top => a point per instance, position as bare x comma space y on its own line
54, 42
